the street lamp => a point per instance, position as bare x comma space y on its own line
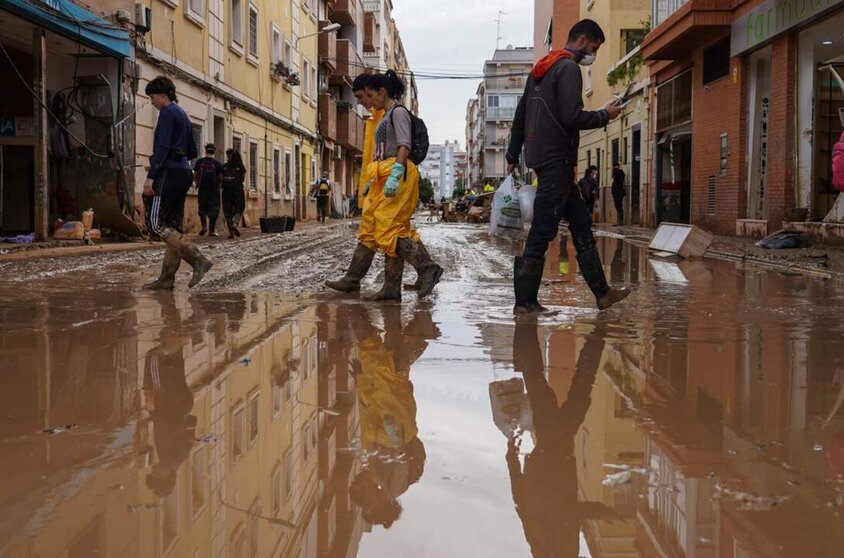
330, 28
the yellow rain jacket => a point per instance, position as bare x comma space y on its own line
388, 409
385, 220
368, 151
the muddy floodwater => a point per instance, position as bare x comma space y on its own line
262, 416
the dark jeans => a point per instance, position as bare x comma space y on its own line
209, 201
557, 198
166, 208
234, 204
619, 206
322, 208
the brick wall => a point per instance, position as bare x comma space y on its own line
781, 144
717, 109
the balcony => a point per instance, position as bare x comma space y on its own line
691, 23
369, 32
328, 49
500, 113
344, 12
372, 6
349, 64
328, 117
505, 83
350, 130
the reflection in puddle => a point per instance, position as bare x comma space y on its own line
702, 419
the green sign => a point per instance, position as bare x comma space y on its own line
771, 18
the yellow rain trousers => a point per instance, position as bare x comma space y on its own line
388, 409
385, 220
368, 151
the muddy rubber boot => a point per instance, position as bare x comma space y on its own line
429, 272
169, 266
593, 273
190, 253
527, 277
393, 270
202, 222
230, 226
418, 284
212, 224
358, 268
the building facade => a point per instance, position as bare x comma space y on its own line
441, 168
768, 70
490, 119
474, 140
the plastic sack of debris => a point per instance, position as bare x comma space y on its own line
505, 221
527, 195
782, 240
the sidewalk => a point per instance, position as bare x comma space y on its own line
65, 248
825, 262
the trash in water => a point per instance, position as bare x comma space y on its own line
60, 429
782, 240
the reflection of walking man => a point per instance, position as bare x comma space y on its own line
545, 490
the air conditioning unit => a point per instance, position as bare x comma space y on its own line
338, 152
143, 18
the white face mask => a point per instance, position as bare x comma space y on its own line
587, 59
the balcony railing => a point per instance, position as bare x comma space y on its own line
328, 117
349, 64
328, 49
499, 83
369, 32
372, 6
500, 113
344, 12
350, 130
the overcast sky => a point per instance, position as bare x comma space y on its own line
456, 36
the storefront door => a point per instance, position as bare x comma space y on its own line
17, 189
759, 98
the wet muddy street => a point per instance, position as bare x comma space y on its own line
260, 415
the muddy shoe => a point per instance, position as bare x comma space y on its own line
429, 279
160, 285
358, 268
200, 268
169, 266
236, 231
612, 297
533, 309
413, 286
393, 270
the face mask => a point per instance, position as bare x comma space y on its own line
583, 58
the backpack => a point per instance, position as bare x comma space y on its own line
207, 174
418, 135
838, 164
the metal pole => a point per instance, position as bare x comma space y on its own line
42, 198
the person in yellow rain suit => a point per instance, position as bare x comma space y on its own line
394, 456
489, 188
368, 245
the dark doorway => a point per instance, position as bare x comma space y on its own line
635, 175
17, 189
674, 175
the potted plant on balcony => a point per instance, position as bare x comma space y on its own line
345, 106
279, 71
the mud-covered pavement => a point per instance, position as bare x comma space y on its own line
259, 415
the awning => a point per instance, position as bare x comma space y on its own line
73, 21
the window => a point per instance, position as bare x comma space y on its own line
252, 528
277, 170
253, 31
275, 484
492, 101
313, 84
313, 177
589, 158
716, 61
288, 185
630, 39
237, 144
196, 130
199, 479
276, 45
237, 434
306, 79
674, 102
306, 444
195, 10
287, 465
624, 152
236, 22
254, 417
288, 54
725, 154
615, 159
253, 165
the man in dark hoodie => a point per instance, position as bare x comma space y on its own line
548, 122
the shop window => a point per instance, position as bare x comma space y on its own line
716, 61
253, 31
253, 165
674, 102
236, 22
277, 170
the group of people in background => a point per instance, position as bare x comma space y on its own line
216, 182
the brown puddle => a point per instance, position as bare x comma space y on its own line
702, 419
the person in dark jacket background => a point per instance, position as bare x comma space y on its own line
209, 175
547, 125
168, 180
618, 192
588, 186
234, 197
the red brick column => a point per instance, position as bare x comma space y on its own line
781, 193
